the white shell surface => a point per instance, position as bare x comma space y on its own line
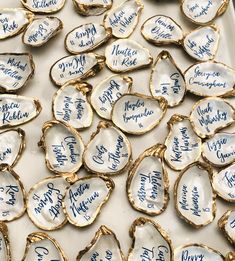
196, 252
220, 149
84, 199
44, 203
210, 79
64, 148
136, 114
202, 43
194, 196
108, 152
86, 37
107, 92
41, 30
43, 6
124, 18
15, 70
210, 115
203, 11
161, 29
224, 183
167, 80
70, 105
74, 67
12, 203
16, 110
12, 21
183, 145
126, 55
11, 146
230, 226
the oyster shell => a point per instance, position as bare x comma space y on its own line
126, 55
76, 68
108, 152
210, 79
124, 18
147, 183
39, 245
183, 145
12, 194
210, 115
41, 30
44, 203
167, 80
63, 147
16, 110
193, 203
5, 252
12, 145
219, 150
227, 225
92, 7
87, 37
150, 242
202, 43
197, 252
161, 29
137, 114
85, 198
13, 21
107, 92
104, 245
43, 6
203, 12
15, 71
70, 105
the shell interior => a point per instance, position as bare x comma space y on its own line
230, 226
43, 6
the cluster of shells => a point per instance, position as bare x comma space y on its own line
195, 144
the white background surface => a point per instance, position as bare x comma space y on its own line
117, 214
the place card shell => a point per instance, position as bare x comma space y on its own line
105, 244
5, 251
161, 29
183, 146
44, 203
203, 12
12, 194
13, 21
85, 198
112, 151
210, 79
63, 147
41, 30
41, 244
200, 209
202, 43
227, 225
12, 145
107, 92
124, 18
87, 37
211, 111
127, 55
42, 6
167, 80
21, 68
16, 110
200, 251
148, 235
93, 7
76, 68
71, 106
134, 107
151, 198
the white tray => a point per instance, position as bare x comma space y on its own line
117, 214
